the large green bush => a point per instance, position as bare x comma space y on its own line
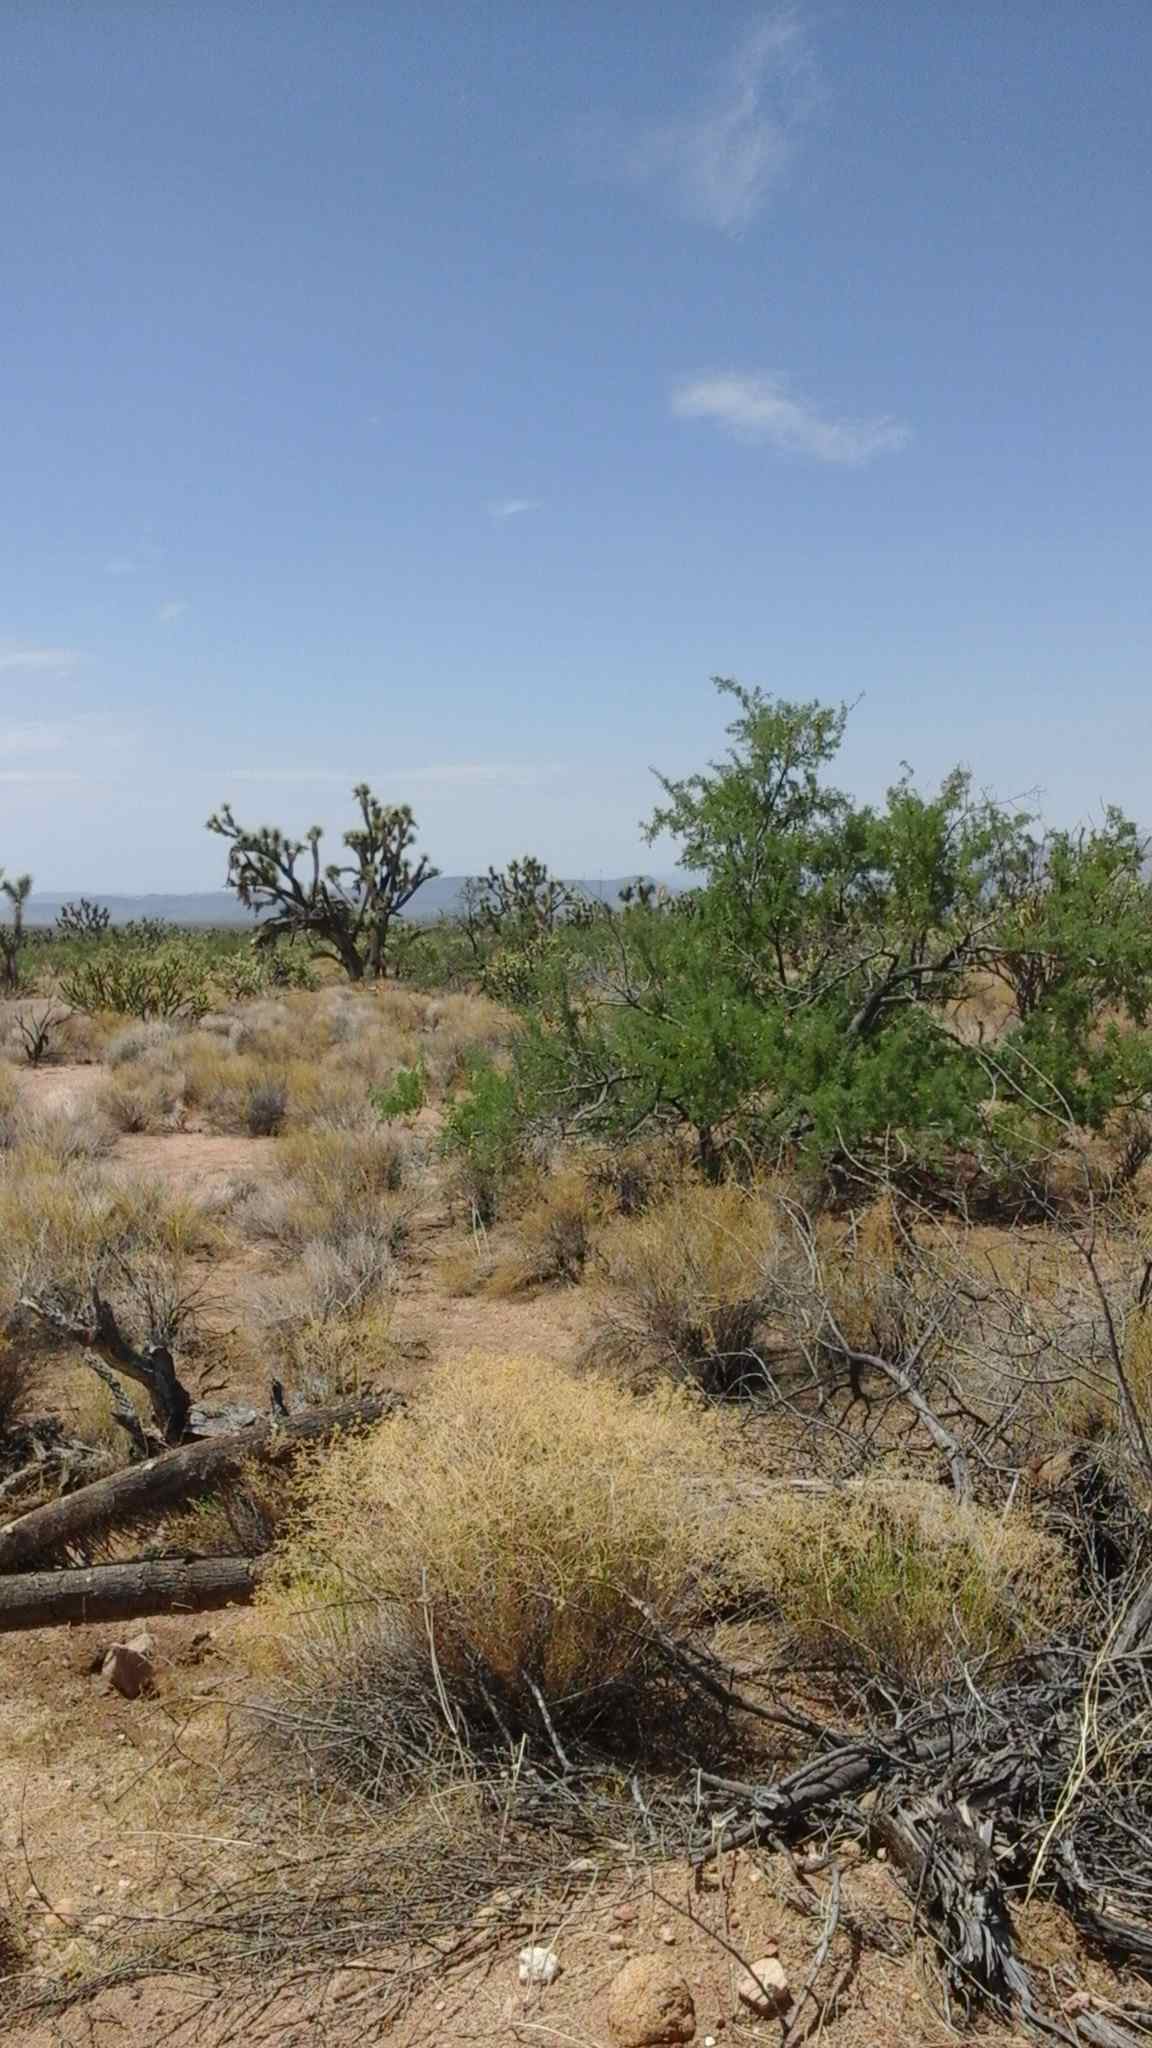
809, 991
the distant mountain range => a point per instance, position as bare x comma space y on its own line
440, 898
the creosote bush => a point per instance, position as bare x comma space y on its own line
483, 1555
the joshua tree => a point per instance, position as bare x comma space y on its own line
83, 920
523, 897
12, 935
346, 913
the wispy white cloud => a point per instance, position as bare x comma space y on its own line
55, 659
723, 162
121, 565
39, 775
175, 608
475, 774
35, 736
760, 408
510, 508
439, 775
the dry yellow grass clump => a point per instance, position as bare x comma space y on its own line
287, 1063
897, 1580
503, 1531
334, 1184
61, 1224
688, 1285
9, 1092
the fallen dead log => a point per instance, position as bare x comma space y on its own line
169, 1480
123, 1592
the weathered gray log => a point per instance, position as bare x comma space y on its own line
168, 1480
123, 1592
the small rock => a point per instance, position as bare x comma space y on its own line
668, 1934
539, 1965
765, 1989
624, 1914
144, 1643
128, 1671
617, 1938
649, 2003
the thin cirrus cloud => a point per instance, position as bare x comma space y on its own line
760, 408
440, 775
35, 736
173, 609
36, 660
511, 508
722, 163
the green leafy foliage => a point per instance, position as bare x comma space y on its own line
405, 1095
484, 1134
804, 994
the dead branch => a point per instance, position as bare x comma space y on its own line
906, 1387
168, 1480
153, 1368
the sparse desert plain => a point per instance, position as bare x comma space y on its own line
582, 1473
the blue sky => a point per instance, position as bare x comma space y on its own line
442, 394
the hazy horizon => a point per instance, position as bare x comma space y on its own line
437, 897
